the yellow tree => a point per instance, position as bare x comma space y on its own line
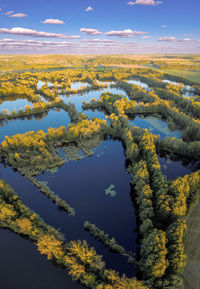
50, 246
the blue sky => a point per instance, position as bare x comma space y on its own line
99, 26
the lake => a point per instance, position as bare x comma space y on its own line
82, 184
155, 125
78, 99
53, 118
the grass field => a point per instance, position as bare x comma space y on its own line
191, 274
190, 74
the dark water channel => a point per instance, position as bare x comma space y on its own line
82, 184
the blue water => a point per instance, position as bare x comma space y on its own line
53, 118
14, 105
138, 82
82, 184
106, 82
172, 82
41, 83
187, 93
78, 99
78, 85
156, 126
173, 169
23, 267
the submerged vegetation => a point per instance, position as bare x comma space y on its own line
110, 191
111, 243
162, 205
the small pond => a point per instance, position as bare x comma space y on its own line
138, 82
155, 125
15, 105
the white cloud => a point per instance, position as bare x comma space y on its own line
145, 2
34, 33
33, 42
125, 33
95, 46
89, 9
146, 37
89, 31
18, 15
167, 38
9, 12
53, 21
187, 40
98, 40
164, 26
7, 40
174, 39
183, 41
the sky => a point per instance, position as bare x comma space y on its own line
99, 26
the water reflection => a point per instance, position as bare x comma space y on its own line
138, 82
78, 99
14, 105
154, 125
42, 121
114, 215
173, 166
78, 85
22, 266
171, 82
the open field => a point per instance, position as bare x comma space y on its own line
189, 74
192, 249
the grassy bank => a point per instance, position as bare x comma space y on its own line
191, 275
